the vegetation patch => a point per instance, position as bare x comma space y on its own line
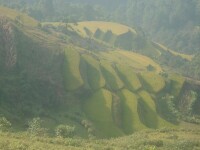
140, 59
98, 108
72, 76
148, 112
134, 60
94, 75
129, 77
130, 118
99, 34
109, 37
152, 81
112, 79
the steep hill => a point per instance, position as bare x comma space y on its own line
109, 93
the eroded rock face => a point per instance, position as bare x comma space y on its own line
8, 52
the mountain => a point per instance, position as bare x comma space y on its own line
104, 78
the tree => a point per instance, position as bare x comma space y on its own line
35, 127
5, 125
150, 67
65, 131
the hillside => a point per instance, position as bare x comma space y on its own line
48, 72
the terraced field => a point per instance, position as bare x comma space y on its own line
94, 74
137, 61
130, 118
152, 81
99, 109
120, 91
113, 81
116, 28
129, 77
148, 112
73, 79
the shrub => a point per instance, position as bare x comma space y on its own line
157, 143
5, 125
65, 131
150, 67
186, 145
35, 128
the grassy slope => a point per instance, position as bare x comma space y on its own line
141, 59
98, 108
94, 75
129, 77
130, 118
73, 79
112, 79
152, 81
137, 61
12, 14
148, 112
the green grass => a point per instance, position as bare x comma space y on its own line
98, 108
129, 77
148, 112
130, 118
152, 81
72, 76
94, 75
140, 59
112, 79
12, 14
137, 61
